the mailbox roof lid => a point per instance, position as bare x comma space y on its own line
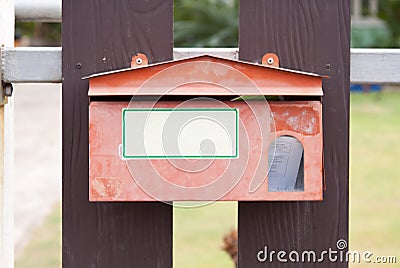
205, 75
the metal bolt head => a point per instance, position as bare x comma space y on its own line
139, 60
271, 60
8, 90
328, 66
78, 65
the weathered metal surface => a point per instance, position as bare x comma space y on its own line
115, 179
269, 81
31, 65
111, 180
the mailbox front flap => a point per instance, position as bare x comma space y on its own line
205, 76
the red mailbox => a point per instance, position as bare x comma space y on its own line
205, 128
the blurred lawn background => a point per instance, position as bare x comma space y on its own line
375, 173
374, 198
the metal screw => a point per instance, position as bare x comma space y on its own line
270, 61
328, 66
78, 65
139, 61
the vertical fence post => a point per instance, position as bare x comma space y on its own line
308, 35
6, 145
102, 35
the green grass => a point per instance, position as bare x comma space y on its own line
198, 234
374, 199
375, 173
44, 248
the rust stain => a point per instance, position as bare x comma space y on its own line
302, 119
106, 187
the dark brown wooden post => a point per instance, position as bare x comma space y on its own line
308, 35
98, 36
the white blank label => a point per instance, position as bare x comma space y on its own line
180, 133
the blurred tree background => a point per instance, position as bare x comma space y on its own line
375, 24
206, 23
390, 13
37, 34
197, 23
214, 23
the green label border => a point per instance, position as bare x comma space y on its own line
126, 110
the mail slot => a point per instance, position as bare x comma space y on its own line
205, 128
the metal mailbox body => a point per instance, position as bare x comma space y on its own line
193, 87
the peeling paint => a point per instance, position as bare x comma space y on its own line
106, 187
303, 118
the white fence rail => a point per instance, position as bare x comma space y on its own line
40, 65
375, 66
31, 64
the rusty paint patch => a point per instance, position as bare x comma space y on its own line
106, 187
302, 119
